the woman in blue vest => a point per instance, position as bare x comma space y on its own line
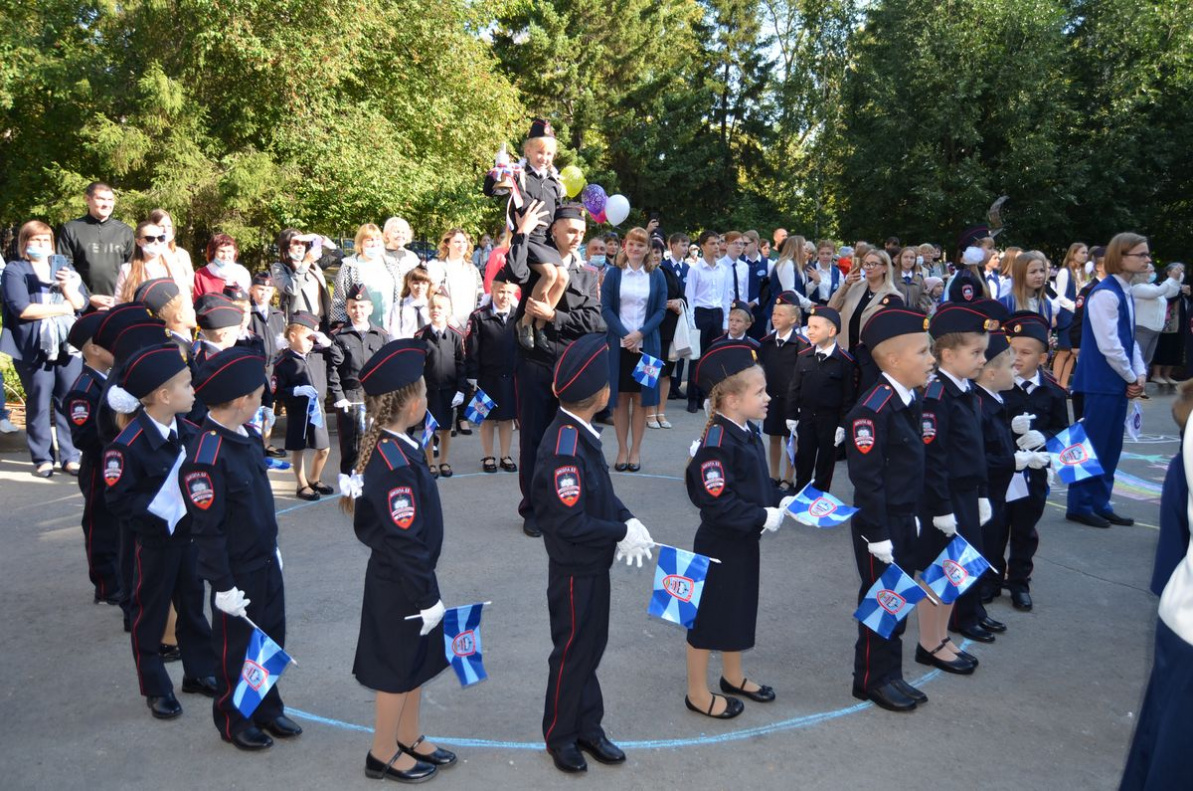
1110, 371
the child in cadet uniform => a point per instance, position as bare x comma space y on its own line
955, 479
537, 184
153, 395
101, 534
489, 361
445, 377
300, 382
868, 372
245, 337
166, 301
269, 324
728, 480
821, 393
396, 512
219, 321
740, 320
1036, 403
227, 494
584, 524
885, 453
351, 347
778, 354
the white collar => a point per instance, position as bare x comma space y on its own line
996, 396
238, 430
164, 429
629, 270
903, 392
583, 423
99, 373
708, 265
409, 440
829, 351
731, 338
1124, 282
962, 384
743, 426
787, 337
1034, 381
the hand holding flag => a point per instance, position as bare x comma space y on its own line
889, 600
955, 569
646, 372
1073, 455
479, 407
429, 428
462, 643
264, 662
819, 509
678, 585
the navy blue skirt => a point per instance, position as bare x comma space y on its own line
1159, 757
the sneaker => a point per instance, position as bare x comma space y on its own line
6, 427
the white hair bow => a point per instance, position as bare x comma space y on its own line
351, 485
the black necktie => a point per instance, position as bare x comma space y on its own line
779, 344
418, 316
820, 357
736, 287
173, 438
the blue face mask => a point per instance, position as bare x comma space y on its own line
596, 260
36, 253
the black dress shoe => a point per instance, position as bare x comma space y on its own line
888, 697
1115, 519
959, 666
693, 408
910, 691
531, 530
170, 653
620, 466
633, 467
1090, 520
283, 727
1021, 600
763, 694
251, 739
202, 686
963, 654
976, 632
165, 707
376, 770
603, 750
440, 758
988, 623
733, 707
568, 759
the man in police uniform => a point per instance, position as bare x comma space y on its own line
578, 313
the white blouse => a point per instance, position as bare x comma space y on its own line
635, 291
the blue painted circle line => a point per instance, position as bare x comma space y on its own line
795, 723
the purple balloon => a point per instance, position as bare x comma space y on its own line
594, 198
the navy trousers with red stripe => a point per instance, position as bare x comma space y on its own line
878, 660
579, 609
101, 532
164, 573
267, 608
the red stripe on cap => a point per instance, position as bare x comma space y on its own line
389, 357
726, 347
584, 367
219, 370
129, 371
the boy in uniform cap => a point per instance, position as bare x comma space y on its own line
269, 324
583, 524
885, 454
741, 317
823, 389
153, 394
101, 533
300, 382
166, 302
1035, 403
228, 497
490, 358
778, 354
351, 347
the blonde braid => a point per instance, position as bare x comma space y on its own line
383, 410
727, 386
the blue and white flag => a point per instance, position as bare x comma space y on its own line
955, 569
462, 643
678, 585
819, 509
790, 446
1073, 455
429, 428
646, 372
479, 407
889, 600
1134, 422
314, 413
264, 662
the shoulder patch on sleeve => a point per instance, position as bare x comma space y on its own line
715, 436
567, 441
934, 391
928, 427
79, 409
862, 433
878, 398
113, 466
199, 490
712, 476
402, 507
208, 449
567, 484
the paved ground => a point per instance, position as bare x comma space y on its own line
1052, 706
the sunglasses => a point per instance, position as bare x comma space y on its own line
161, 238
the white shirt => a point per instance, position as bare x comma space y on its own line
163, 428
635, 290
1151, 302
993, 394
1102, 309
785, 339
902, 391
825, 289
411, 317
706, 288
832, 347
962, 384
1176, 602
241, 430
743, 277
1031, 384
583, 423
409, 440
993, 283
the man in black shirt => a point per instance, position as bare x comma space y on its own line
96, 245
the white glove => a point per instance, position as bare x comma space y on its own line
883, 550
232, 602
457, 399
306, 390
431, 617
270, 417
322, 341
791, 424
1022, 459
1021, 424
278, 552
774, 519
839, 437
1039, 460
472, 383
1031, 440
985, 511
636, 544
946, 524
343, 404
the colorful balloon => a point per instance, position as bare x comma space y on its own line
617, 208
572, 180
594, 198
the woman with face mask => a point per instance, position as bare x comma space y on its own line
373, 269
222, 269
152, 259
298, 277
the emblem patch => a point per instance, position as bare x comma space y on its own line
967, 292
567, 485
464, 644
113, 467
891, 601
80, 410
1073, 455
713, 477
401, 506
679, 587
954, 572
254, 674
821, 507
863, 435
273, 384
199, 490
929, 427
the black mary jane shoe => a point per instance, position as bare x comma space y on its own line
463, 429
322, 488
621, 466
251, 739
602, 749
958, 666
910, 691
733, 707
633, 466
199, 685
445, 471
489, 464
165, 707
888, 697
283, 727
378, 770
763, 694
307, 493
440, 758
568, 759
508, 464
963, 654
